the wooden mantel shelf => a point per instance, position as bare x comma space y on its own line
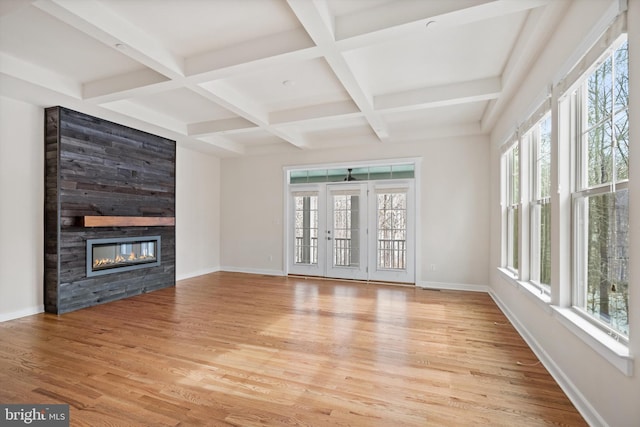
128, 221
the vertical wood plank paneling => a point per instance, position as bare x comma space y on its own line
51, 210
96, 167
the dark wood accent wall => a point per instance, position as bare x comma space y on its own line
94, 167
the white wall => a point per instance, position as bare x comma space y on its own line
454, 207
21, 209
197, 213
604, 394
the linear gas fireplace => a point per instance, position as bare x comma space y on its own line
105, 256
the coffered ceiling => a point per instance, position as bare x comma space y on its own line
250, 77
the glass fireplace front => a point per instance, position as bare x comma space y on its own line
106, 256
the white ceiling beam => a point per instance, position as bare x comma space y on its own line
355, 32
252, 55
128, 85
22, 70
268, 149
312, 16
336, 137
147, 115
439, 96
227, 97
204, 147
538, 28
97, 21
340, 109
411, 134
224, 143
219, 126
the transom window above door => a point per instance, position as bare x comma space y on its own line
364, 173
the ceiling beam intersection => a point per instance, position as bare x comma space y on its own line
313, 17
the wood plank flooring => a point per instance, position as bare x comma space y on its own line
234, 349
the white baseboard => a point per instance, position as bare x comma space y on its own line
580, 402
266, 272
451, 286
197, 273
21, 313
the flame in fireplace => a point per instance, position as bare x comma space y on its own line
119, 259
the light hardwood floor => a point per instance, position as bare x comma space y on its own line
249, 350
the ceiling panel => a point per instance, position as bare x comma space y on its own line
437, 56
290, 85
40, 39
190, 27
345, 7
185, 106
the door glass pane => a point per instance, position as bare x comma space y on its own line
346, 230
306, 229
392, 230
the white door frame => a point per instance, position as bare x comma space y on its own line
288, 237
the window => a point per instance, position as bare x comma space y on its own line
600, 195
305, 206
512, 168
392, 228
346, 228
540, 254
365, 173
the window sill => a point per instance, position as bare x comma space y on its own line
612, 350
542, 299
609, 348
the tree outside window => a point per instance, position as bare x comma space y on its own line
513, 206
602, 201
540, 140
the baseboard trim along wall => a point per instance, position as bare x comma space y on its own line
581, 403
12, 315
452, 286
262, 271
197, 273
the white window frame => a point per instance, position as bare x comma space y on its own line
559, 303
537, 200
581, 190
511, 198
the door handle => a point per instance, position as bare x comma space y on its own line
328, 238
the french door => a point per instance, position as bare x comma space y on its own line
350, 230
346, 231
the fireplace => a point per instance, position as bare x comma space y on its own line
105, 181
106, 256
